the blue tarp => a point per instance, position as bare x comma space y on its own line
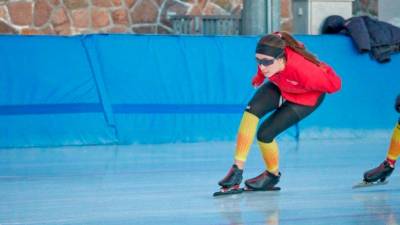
122, 89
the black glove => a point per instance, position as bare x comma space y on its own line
397, 104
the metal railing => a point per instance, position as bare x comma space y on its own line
208, 25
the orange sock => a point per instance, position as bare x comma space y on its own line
270, 153
245, 137
394, 148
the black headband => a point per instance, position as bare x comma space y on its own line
269, 50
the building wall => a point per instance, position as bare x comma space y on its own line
286, 15
389, 11
365, 7
68, 17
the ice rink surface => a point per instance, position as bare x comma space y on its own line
173, 184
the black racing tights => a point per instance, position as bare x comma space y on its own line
266, 99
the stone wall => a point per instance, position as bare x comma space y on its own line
67, 17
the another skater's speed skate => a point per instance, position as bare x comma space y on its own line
376, 176
380, 174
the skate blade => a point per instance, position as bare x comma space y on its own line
228, 192
369, 184
247, 189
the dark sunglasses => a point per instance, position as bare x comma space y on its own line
265, 62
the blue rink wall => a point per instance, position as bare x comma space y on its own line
123, 89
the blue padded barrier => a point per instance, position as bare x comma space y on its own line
369, 89
107, 89
48, 96
175, 88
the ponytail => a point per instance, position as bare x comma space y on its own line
297, 46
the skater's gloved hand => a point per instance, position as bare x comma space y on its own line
258, 79
397, 104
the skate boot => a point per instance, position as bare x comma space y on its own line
231, 182
263, 182
379, 173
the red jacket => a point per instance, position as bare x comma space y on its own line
302, 81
